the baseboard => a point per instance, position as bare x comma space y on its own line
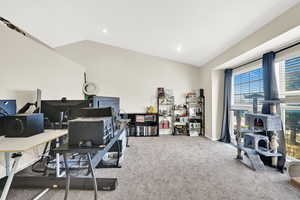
212, 138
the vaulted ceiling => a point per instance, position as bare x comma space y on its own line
190, 31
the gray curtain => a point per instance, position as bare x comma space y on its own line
271, 93
269, 77
225, 132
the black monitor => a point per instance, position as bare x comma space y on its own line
103, 102
70, 109
7, 107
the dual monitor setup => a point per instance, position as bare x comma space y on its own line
90, 122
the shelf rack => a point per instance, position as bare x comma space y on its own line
180, 120
196, 114
142, 124
165, 107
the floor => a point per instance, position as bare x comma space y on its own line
182, 168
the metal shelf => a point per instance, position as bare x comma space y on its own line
195, 105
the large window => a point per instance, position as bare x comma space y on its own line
247, 84
289, 82
250, 82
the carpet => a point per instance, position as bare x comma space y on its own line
181, 168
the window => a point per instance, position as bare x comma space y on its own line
249, 82
289, 82
290, 76
246, 84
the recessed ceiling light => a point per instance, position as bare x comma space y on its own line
178, 49
104, 30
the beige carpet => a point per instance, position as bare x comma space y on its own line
182, 168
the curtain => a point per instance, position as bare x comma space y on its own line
269, 77
271, 93
225, 132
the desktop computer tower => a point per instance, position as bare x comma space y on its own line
89, 132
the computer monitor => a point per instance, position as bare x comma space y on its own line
103, 102
70, 109
7, 107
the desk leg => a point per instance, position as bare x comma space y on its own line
127, 137
7, 163
67, 176
14, 169
57, 160
93, 175
119, 153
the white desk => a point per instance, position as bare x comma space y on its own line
20, 145
14, 145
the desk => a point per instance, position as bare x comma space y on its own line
16, 146
58, 181
100, 152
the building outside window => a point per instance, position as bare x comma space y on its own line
289, 82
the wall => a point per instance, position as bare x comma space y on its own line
27, 65
206, 84
218, 102
213, 83
132, 76
280, 25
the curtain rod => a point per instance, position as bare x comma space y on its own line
280, 50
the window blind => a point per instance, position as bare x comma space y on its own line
290, 75
246, 84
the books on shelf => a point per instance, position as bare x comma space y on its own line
145, 118
150, 118
140, 118
146, 130
142, 124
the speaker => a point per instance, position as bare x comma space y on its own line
201, 93
1, 126
23, 125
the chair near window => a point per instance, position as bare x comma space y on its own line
294, 173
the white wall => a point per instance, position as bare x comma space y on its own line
132, 76
26, 65
206, 84
280, 25
218, 102
213, 83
